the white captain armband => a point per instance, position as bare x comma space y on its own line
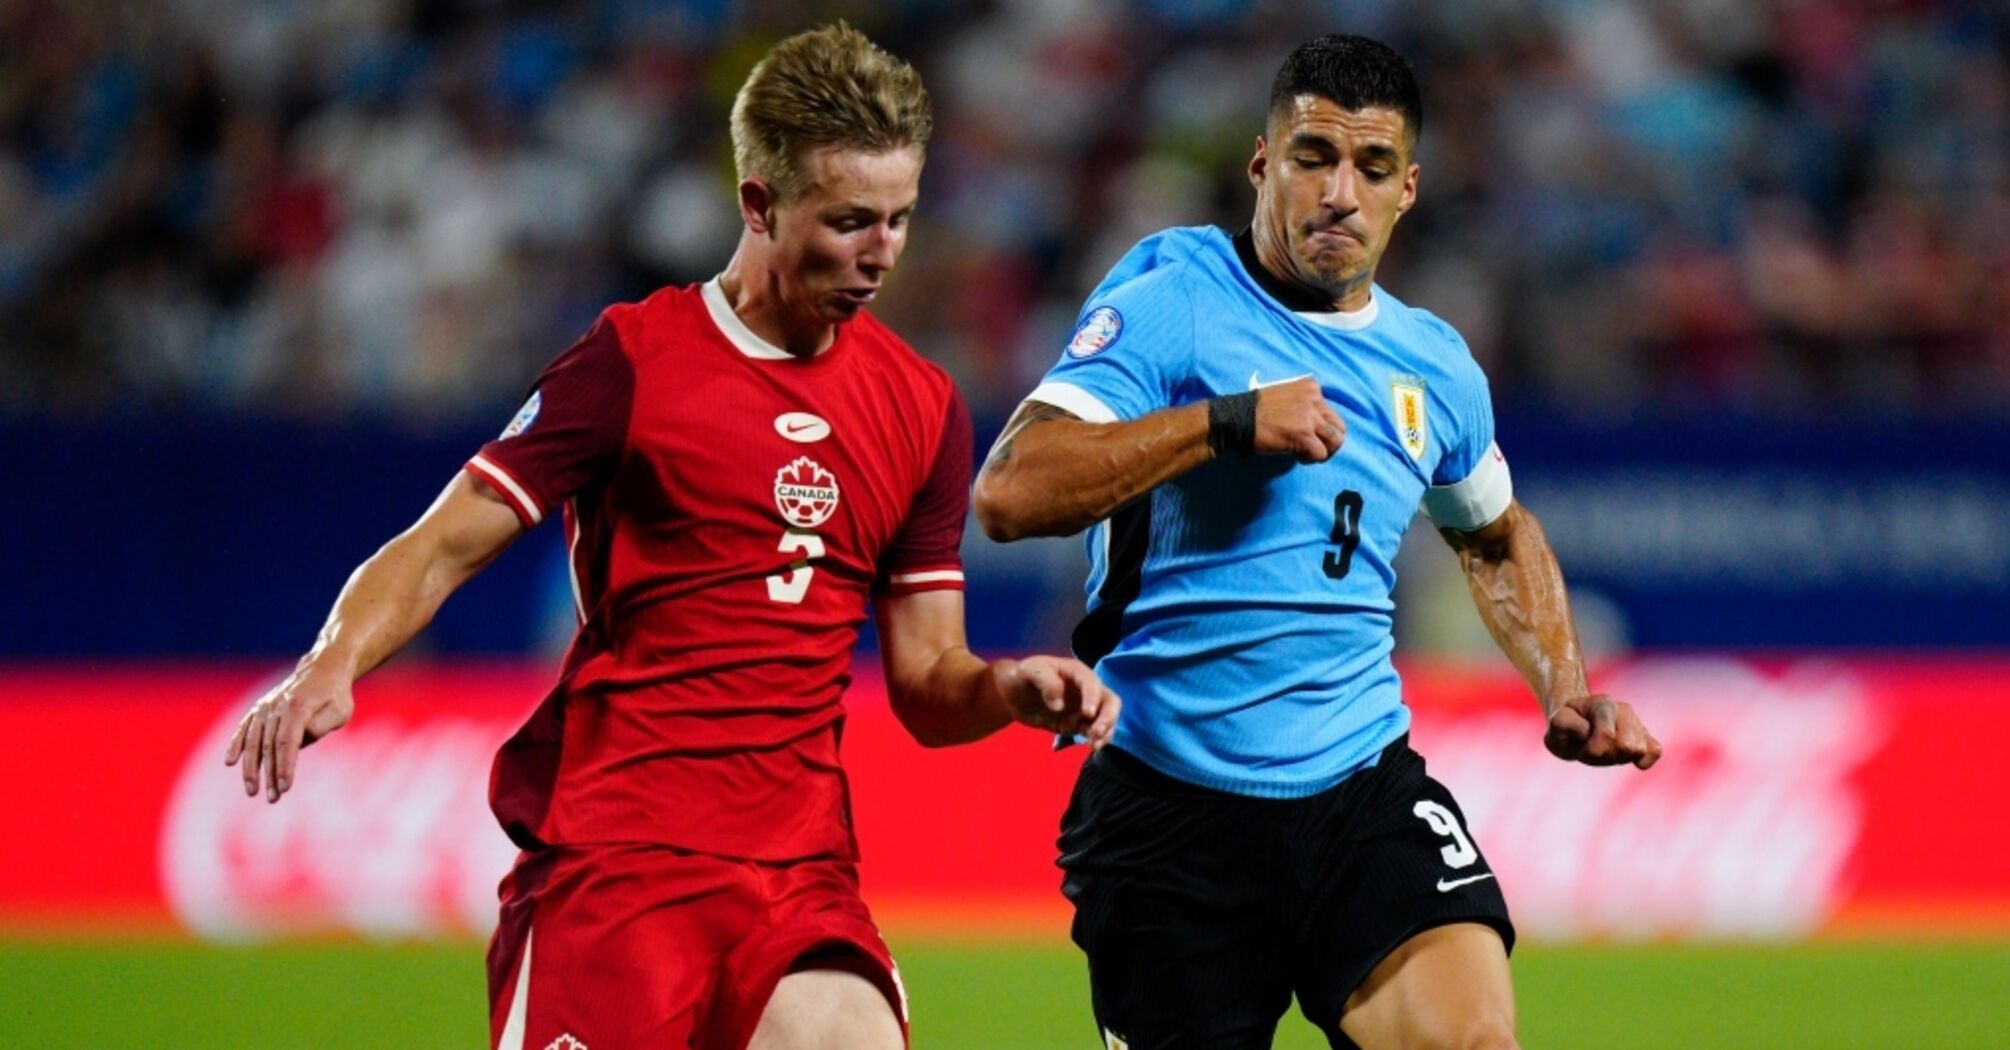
1073, 400
1474, 503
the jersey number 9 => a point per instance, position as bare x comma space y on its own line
1346, 534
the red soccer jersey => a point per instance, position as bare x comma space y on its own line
728, 508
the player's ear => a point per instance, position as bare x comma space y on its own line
1409, 198
1259, 164
757, 205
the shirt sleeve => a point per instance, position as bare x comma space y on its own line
1474, 405
926, 554
1471, 485
569, 433
1133, 345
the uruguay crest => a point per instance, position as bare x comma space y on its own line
1412, 423
805, 493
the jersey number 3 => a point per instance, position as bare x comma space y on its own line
790, 587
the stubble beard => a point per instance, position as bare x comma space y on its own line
1330, 279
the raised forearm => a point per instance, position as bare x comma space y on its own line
1518, 587
1051, 474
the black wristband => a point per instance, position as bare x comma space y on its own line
1231, 424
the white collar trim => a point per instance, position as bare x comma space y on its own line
735, 330
1346, 321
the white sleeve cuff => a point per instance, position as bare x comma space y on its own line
1071, 398
1474, 503
513, 493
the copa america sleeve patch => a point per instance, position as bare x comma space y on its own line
1475, 502
1096, 332
525, 416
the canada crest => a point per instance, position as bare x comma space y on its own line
805, 493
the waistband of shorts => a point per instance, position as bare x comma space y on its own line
1140, 774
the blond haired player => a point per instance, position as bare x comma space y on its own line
740, 465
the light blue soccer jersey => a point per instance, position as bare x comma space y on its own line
1243, 610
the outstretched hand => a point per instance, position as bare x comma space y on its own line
1600, 731
1058, 694
304, 708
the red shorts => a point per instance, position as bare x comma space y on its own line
633, 947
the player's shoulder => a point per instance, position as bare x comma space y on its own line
1184, 245
644, 327
1150, 290
1427, 332
1159, 264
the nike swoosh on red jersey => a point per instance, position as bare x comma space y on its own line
802, 426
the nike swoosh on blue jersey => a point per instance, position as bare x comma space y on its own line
1258, 384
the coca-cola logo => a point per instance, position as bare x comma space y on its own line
1744, 829
385, 833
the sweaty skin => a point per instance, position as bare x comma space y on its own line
1519, 590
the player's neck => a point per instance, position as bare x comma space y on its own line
1273, 255
755, 294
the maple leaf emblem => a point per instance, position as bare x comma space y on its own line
805, 493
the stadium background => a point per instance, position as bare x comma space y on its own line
269, 269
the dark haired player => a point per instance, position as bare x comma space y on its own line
1249, 424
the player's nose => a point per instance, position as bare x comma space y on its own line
880, 250
1340, 191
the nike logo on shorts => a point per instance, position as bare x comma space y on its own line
1448, 885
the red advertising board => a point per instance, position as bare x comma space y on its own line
1797, 797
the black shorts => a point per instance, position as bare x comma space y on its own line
1203, 912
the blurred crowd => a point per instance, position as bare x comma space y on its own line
326, 207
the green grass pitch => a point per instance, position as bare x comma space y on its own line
1007, 996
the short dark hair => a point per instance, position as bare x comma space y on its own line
1355, 72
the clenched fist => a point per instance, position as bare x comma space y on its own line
1294, 417
1600, 731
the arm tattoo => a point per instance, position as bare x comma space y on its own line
1029, 413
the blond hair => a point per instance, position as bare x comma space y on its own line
826, 87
